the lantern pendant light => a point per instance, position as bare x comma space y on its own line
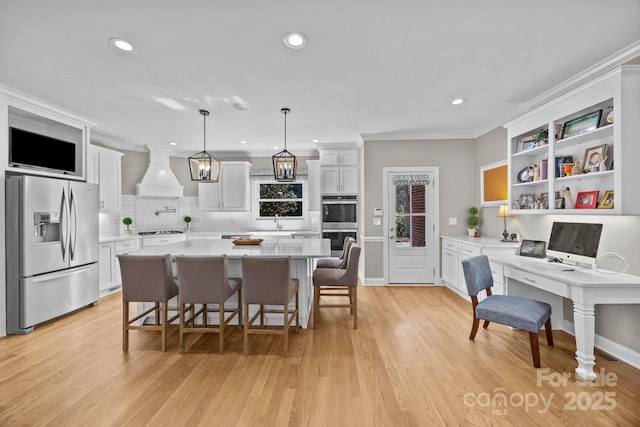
285, 166
203, 166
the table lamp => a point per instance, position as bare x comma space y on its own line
504, 214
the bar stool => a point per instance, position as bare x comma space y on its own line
205, 280
334, 282
147, 279
337, 262
267, 281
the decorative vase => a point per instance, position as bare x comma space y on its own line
568, 200
127, 231
473, 232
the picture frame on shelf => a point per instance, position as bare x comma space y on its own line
557, 131
593, 158
560, 160
559, 203
526, 201
582, 124
544, 200
526, 143
607, 200
587, 199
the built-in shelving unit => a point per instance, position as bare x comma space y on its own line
598, 117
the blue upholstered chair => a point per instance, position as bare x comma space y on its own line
516, 312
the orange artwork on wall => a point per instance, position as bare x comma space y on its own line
494, 184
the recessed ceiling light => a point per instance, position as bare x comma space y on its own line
295, 40
457, 101
173, 143
243, 142
121, 44
276, 147
315, 140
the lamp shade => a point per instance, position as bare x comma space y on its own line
503, 212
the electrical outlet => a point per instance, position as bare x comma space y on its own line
453, 220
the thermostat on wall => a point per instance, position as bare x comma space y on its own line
377, 211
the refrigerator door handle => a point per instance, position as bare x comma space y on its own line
48, 277
73, 229
64, 226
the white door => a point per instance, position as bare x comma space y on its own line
410, 227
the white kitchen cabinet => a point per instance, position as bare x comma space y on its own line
339, 180
313, 189
455, 249
110, 276
231, 192
342, 157
123, 247
106, 255
339, 171
104, 168
613, 102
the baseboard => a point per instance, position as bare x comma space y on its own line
619, 351
372, 281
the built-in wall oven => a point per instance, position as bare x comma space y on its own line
340, 212
339, 220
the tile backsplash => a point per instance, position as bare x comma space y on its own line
167, 214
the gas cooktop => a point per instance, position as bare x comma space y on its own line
159, 232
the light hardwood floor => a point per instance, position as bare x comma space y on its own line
409, 363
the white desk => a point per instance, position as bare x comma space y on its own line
302, 252
584, 286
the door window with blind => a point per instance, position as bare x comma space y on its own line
410, 213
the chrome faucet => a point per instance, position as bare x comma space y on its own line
275, 219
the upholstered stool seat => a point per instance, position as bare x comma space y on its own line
267, 282
338, 282
337, 262
147, 279
205, 280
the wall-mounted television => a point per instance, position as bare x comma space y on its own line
574, 242
35, 151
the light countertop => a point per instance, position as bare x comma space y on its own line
485, 242
296, 248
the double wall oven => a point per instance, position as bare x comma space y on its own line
339, 220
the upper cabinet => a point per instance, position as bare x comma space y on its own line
41, 139
104, 168
339, 171
231, 192
576, 154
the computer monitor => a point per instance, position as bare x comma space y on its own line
574, 242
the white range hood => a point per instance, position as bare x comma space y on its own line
159, 180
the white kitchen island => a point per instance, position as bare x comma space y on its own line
303, 253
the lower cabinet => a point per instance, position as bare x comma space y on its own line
456, 249
110, 277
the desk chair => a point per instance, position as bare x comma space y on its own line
334, 281
267, 281
337, 262
516, 312
205, 280
147, 279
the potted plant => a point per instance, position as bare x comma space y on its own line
473, 222
127, 221
187, 220
542, 137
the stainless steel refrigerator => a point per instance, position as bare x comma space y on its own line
52, 249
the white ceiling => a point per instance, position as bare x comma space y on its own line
371, 70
